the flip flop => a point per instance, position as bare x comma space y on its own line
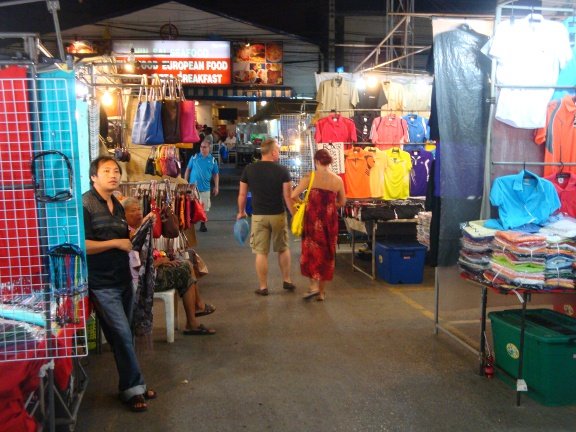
200, 331
310, 294
321, 298
208, 309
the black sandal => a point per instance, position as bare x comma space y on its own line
208, 309
137, 403
150, 394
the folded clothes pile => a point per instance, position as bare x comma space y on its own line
518, 261
560, 256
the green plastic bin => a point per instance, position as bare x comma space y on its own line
549, 361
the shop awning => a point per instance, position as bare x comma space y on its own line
239, 93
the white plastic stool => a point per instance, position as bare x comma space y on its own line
171, 306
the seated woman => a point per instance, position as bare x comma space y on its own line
171, 274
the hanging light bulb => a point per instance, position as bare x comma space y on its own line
372, 81
106, 98
263, 103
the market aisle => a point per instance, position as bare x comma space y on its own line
366, 359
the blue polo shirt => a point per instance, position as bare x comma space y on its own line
418, 129
523, 198
202, 169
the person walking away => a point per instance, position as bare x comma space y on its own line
320, 224
201, 169
270, 185
110, 281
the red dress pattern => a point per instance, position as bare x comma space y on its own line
320, 235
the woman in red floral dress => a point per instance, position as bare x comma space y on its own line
320, 223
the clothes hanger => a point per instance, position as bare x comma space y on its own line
338, 79
560, 174
534, 18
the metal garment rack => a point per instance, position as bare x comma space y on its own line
485, 211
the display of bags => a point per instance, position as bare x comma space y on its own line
298, 218
147, 127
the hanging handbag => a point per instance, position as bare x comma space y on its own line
147, 127
171, 162
170, 226
298, 218
150, 166
171, 114
188, 131
197, 211
157, 228
157, 160
187, 211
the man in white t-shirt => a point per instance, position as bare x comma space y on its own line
230, 141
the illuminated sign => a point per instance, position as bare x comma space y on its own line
198, 62
258, 63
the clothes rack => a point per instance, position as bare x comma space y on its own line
523, 296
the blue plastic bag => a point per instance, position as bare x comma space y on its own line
241, 230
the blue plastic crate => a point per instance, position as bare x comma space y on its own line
400, 262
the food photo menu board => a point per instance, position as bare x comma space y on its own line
257, 63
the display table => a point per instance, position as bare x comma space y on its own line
369, 228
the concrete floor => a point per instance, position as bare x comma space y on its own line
366, 359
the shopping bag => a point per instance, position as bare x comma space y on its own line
297, 226
197, 212
170, 225
172, 163
241, 230
171, 121
188, 131
150, 166
200, 268
298, 220
147, 127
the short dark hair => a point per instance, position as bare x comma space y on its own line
95, 164
267, 146
323, 157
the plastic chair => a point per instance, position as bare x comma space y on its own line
232, 154
171, 306
216, 153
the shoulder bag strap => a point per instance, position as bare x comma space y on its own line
309, 186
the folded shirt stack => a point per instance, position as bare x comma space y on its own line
519, 260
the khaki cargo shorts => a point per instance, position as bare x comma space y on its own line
266, 227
